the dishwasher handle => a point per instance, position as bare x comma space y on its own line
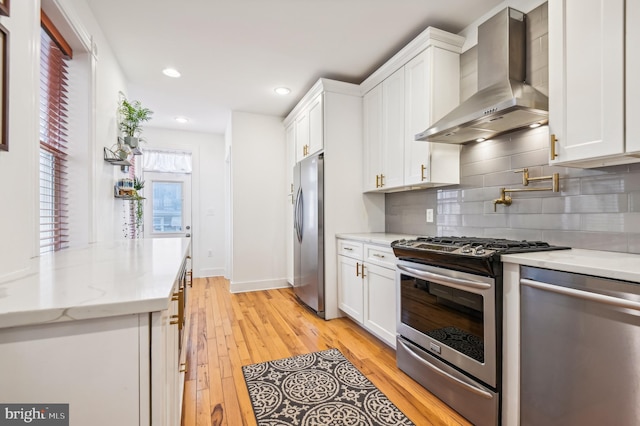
585, 295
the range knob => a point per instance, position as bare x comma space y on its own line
479, 250
466, 248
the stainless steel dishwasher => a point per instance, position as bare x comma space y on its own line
580, 349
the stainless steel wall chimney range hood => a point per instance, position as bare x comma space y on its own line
504, 102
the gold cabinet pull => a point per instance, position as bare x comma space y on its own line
552, 149
377, 181
381, 256
175, 296
357, 269
362, 271
189, 278
175, 319
422, 169
381, 180
183, 368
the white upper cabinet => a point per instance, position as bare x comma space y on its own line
372, 132
316, 131
415, 88
309, 129
391, 175
587, 82
432, 89
632, 136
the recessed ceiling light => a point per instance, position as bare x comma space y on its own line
282, 90
182, 120
534, 125
171, 72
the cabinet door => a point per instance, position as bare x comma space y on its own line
372, 121
350, 288
380, 302
302, 135
417, 118
165, 370
290, 141
632, 137
586, 78
316, 125
393, 130
432, 89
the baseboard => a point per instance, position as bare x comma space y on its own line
210, 272
244, 286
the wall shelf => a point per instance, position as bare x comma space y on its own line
112, 158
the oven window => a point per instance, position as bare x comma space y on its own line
451, 316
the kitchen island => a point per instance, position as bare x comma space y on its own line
99, 328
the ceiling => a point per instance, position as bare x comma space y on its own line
233, 53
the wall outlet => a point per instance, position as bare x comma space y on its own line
429, 215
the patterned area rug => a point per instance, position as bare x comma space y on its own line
320, 388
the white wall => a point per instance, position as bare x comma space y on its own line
102, 78
207, 189
18, 166
257, 180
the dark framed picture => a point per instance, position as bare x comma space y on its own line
4, 7
4, 88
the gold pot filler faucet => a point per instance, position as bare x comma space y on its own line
507, 200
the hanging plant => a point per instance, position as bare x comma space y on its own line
138, 184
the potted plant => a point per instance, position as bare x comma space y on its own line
132, 115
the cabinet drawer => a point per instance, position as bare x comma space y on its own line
380, 255
350, 248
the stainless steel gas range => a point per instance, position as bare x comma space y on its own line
450, 318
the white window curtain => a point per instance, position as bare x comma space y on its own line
166, 161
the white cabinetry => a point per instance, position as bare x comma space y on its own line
366, 287
632, 135
350, 285
432, 81
333, 114
410, 92
380, 292
587, 83
290, 141
309, 132
115, 370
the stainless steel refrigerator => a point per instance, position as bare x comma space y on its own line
308, 240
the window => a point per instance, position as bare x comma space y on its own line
54, 56
167, 206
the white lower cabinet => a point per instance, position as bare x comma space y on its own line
117, 370
367, 287
350, 285
380, 308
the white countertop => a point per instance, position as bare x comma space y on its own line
100, 280
607, 264
381, 238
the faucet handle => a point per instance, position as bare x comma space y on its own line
525, 175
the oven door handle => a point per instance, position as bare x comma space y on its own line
473, 389
444, 280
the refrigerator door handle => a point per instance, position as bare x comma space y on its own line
298, 215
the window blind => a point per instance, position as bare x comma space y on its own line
54, 214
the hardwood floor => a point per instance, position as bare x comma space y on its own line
227, 331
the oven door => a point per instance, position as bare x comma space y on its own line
451, 315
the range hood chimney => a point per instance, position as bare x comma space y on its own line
504, 102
